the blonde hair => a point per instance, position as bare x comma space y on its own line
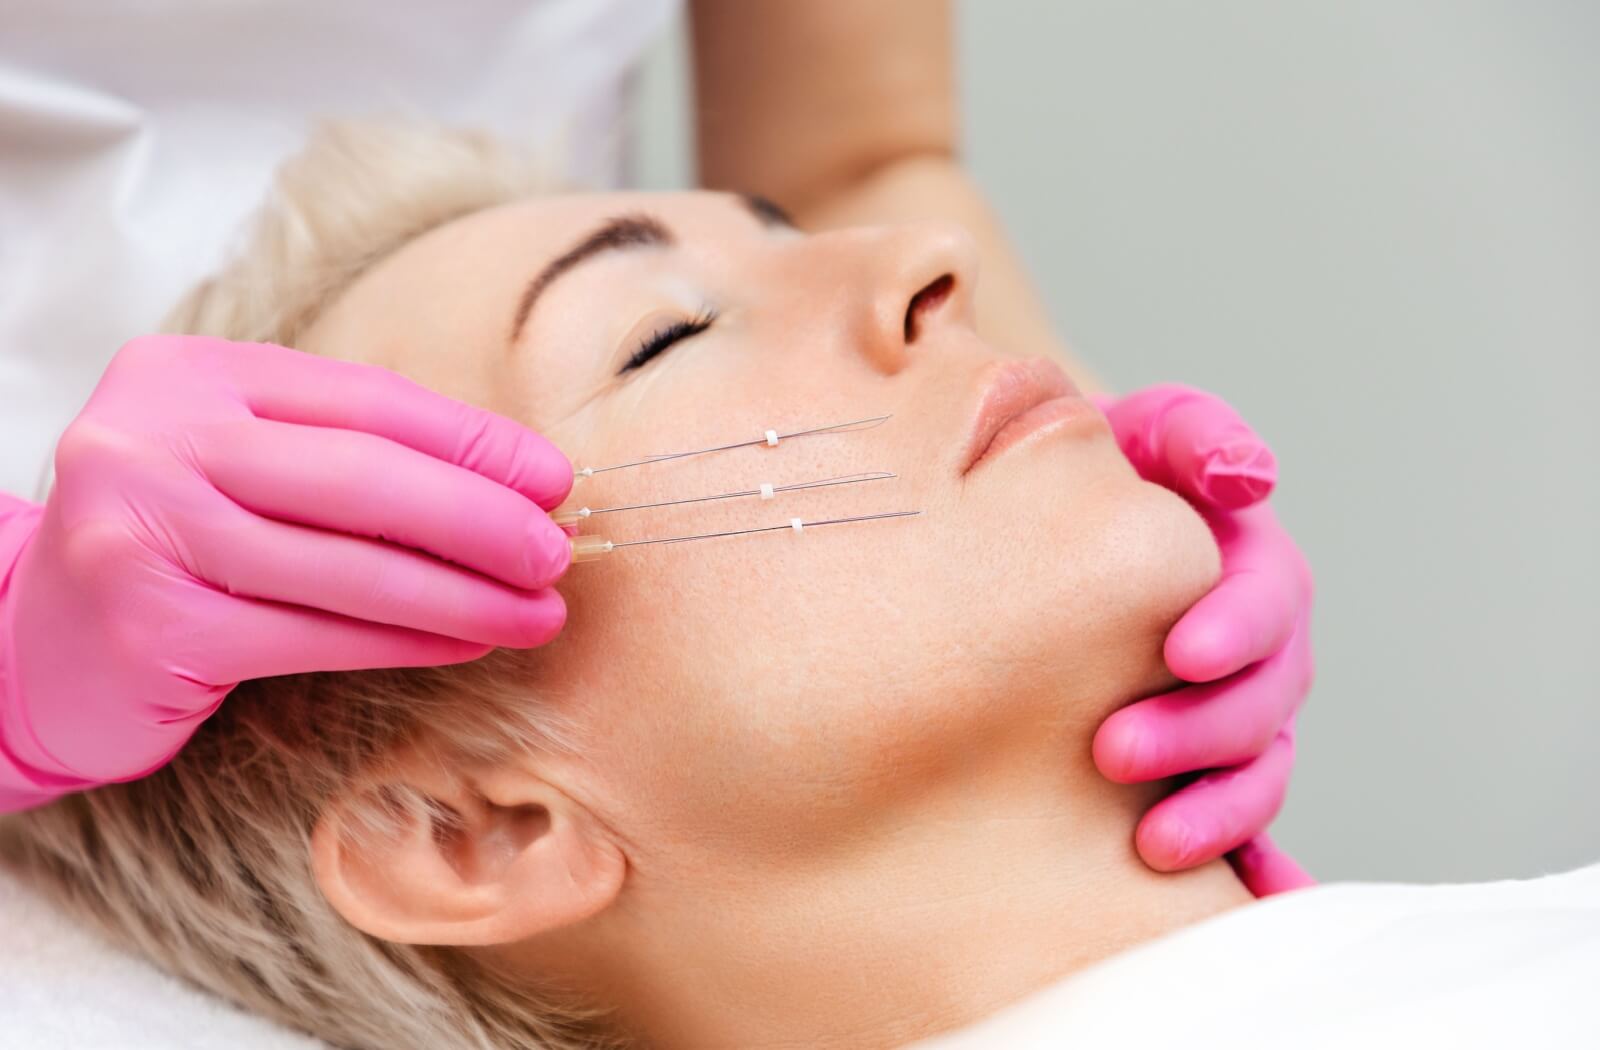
204, 866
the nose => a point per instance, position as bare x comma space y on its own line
909, 282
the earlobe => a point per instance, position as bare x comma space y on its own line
497, 858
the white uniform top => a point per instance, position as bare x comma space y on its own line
136, 135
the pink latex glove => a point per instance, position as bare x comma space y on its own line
1248, 640
225, 511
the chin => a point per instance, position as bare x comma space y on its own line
1081, 596
1174, 564
1150, 557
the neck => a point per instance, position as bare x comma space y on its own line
997, 886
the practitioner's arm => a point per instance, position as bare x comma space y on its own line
844, 113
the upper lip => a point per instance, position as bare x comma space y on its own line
1008, 389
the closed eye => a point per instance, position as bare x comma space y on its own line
662, 338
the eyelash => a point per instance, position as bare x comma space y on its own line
663, 338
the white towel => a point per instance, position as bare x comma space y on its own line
61, 986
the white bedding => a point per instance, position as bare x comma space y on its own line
1508, 964
1501, 964
61, 987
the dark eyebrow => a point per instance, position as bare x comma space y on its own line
768, 213
619, 234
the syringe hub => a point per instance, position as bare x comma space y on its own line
589, 548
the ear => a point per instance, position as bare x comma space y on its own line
516, 858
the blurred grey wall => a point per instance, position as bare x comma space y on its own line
1374, 227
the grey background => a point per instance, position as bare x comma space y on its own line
1375, 228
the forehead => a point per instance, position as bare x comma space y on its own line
448, 296
501, 248
537, 229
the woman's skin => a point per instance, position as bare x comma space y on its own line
846, 114
835, 789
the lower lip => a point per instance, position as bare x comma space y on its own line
1045, 417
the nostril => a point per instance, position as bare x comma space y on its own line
927, 300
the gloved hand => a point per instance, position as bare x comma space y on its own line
225, 511
1248, 640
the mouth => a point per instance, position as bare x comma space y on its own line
1017, 399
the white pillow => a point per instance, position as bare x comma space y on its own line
62, 986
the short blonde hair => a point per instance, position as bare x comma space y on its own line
204, 867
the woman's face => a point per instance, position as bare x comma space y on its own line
761, 696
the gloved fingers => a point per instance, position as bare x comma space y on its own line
293, 387
366, 485
1265, 869
1218, 812
1195, 444
1265, 590
1205, 726
365, 579
268, 638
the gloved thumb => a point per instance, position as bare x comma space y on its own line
1194, 443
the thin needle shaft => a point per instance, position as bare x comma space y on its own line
769, 528
836, 428
847, 479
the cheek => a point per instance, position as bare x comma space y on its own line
765, 694
768, 703
749, 699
